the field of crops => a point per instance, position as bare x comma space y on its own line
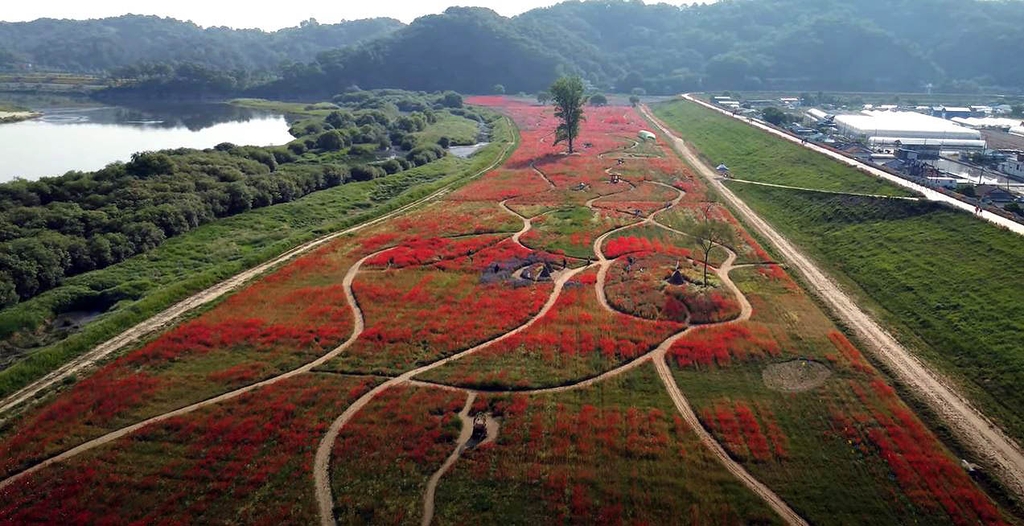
539, 346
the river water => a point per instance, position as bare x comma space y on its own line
90, 138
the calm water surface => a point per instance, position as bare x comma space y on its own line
89, 139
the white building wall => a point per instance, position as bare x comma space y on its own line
1012, 168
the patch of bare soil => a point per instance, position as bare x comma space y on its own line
795, 376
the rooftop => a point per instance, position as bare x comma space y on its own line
903, 124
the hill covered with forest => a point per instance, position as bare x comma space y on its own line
953, 45
105, 45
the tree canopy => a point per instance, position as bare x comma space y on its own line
62, 226
567, 93
104, 45
614, 45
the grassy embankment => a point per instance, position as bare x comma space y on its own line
755, 156
938, 278
192, 262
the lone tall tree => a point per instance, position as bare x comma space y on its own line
567, 93
710, 233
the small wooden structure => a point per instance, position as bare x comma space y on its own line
479, 427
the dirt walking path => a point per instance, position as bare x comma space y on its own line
543, 175
321, 463
769, 496
464, 435
989, 442
357, 329
527, 224
322, 460
820, 191
167, 317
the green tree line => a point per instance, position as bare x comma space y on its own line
62, 226
870, 45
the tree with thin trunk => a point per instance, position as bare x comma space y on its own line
710, 233
567, 92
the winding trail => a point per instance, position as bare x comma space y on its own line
358, 326
172, 314
533, 166
321, 463
527, 224
769, 496
321, 467
658, 357
464, 435
972, 427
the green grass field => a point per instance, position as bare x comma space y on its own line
192, 262
757, 156
458, 130
293, 108
943, 280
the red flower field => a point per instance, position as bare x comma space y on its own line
494, 292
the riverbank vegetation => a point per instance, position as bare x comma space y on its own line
63, 226
48, 329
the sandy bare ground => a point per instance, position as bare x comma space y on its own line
998, 450
171, 315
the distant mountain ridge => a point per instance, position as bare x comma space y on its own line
868, 45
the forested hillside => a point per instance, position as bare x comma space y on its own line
108, 44
954, 45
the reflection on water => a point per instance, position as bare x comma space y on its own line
467, 151
90, 138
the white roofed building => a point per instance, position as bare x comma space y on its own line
904, 128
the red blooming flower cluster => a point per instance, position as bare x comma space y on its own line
925, 472
217, 465
739, 429
576, 339
384, 456
720, 345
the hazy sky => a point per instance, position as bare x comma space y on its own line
266, 14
